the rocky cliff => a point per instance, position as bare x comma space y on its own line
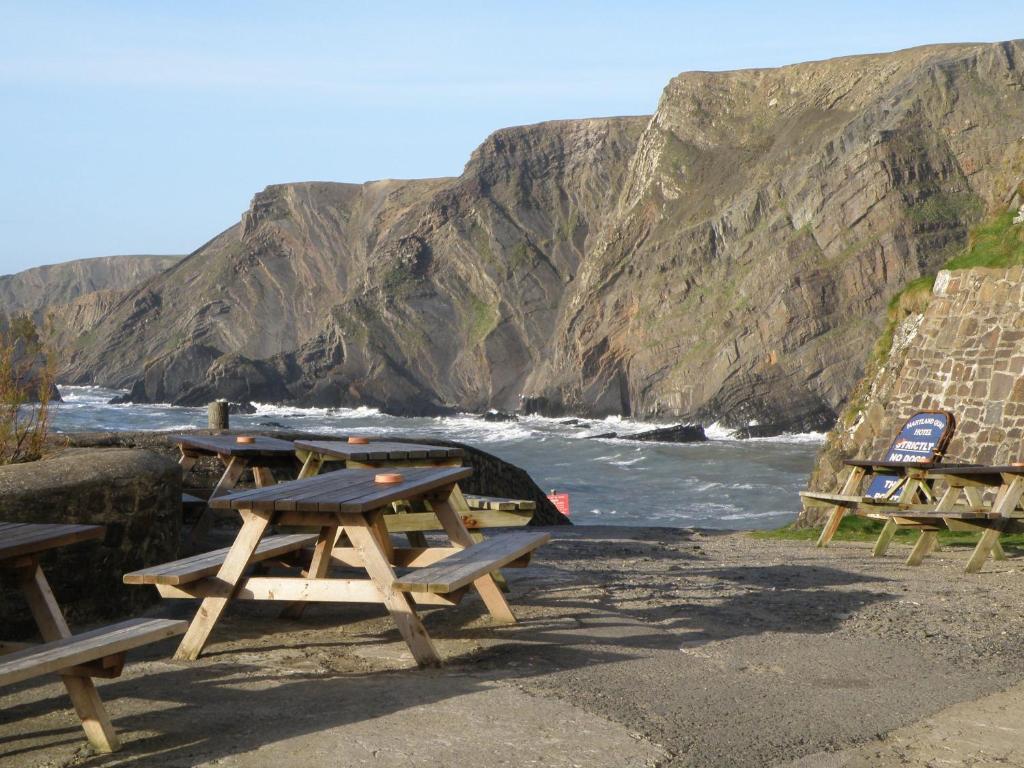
725, 259
33, 290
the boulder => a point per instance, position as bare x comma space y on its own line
136, 494
680, 433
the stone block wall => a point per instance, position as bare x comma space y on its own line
135, 494
963, 353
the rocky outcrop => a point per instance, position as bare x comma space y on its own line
135, 494
963, 351
723, 260
32, 291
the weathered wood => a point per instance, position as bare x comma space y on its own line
360, 532
472, 519
852, 483
239, 556
377, 451
318, 568
468, 565
922, 547
207, 564
18, 539
107, 642
217, 417
884, 538
297, 591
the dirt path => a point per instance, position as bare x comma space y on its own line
637, 647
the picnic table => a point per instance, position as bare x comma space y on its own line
346, 507
1004, 515
76, 658
373, 453
260, 455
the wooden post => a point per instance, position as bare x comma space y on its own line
217, 415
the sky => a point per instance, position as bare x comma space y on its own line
146, 127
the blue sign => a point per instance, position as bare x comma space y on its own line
922, 438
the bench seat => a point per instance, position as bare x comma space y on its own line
831, 499
467, 565
58, 655
498, 504
198, 567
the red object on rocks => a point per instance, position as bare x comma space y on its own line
561, 501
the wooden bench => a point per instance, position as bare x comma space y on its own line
68, 655
198, 567
467, 565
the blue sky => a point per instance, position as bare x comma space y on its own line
145, 127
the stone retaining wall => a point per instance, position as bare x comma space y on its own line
963, 353
135, 494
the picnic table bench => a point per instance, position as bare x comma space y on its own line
76, 658
348, 508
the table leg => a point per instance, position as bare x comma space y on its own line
835, 517
1005, 503
485, 586
263, 477
361, 533
310, 466
232, 473
82, 691
318, 568
254, 525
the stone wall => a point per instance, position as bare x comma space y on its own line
135, 494
491, 476
962, 352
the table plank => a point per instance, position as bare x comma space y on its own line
347, 490
18, 539
226, 445
378, 450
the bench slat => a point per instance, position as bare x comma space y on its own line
499, 504
80, 649
467, 565
207, 564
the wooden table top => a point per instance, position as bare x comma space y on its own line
226, 445
347, 490
18, 539
867, 464
975, 470
377, 450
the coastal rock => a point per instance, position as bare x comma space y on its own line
680, 433
135, 494
722, 260
498, 416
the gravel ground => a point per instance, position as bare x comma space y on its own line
636, 647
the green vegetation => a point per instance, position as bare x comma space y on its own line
483, 318
27, 373
946, 207
863, 529
997, 243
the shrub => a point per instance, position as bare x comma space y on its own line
26, 384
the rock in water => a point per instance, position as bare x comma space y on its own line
680, 433
498, 416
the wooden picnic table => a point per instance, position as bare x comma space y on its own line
375, 453
347, 507
77, 658
260, 456
1004, 515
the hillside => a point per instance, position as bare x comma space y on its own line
32, 290
728, 258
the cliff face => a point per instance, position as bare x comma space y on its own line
725, 259
33, 290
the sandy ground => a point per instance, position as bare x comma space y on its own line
636, 647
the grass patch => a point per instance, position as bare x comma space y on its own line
997, 243
864, 529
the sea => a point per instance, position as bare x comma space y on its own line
724, 483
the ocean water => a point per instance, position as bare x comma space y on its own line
723, 483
